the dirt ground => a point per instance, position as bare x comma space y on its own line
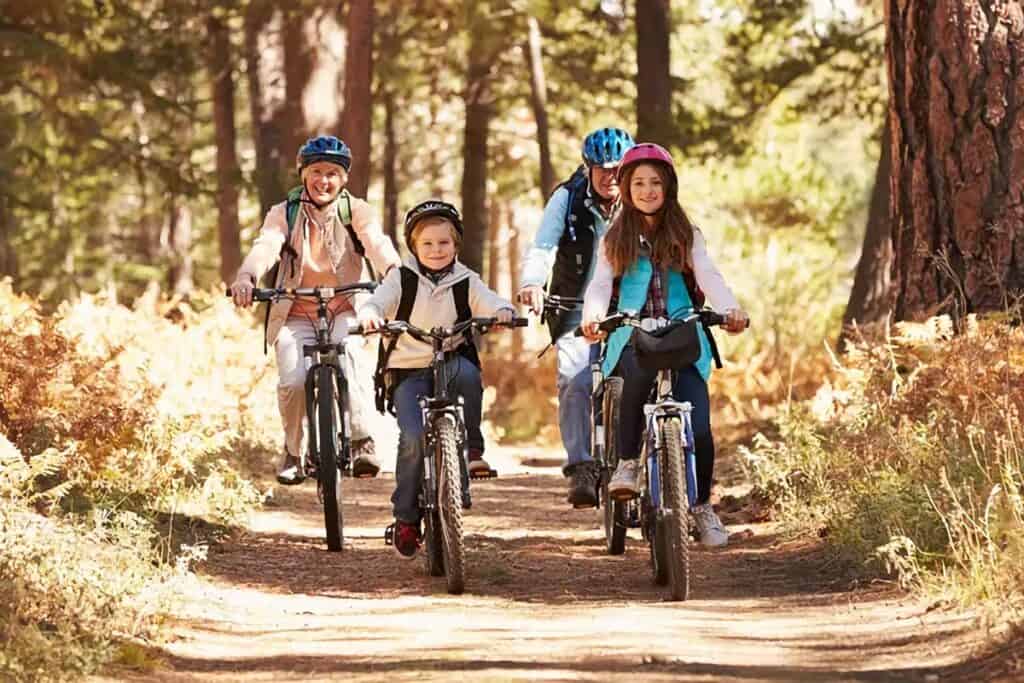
543, 602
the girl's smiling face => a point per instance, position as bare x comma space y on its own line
646, 189
434, 243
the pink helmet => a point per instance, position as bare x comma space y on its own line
645, 151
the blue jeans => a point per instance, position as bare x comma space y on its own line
574, 387
463, 380
689, 386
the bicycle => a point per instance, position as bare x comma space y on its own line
442, 497
667, 466
327, 412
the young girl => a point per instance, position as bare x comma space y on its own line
645, 259
433, 233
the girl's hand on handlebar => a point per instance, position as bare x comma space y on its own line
736, 321
241, 291
592, 332
504, 316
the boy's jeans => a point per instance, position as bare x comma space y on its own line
574, 388
291, 386
463, 380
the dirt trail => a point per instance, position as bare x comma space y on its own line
543, 602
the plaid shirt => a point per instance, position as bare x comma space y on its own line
656, 305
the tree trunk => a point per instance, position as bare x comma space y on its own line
956, 74
264, 56
513, 269
357, 119
653, 81
870, 298
179, 245
228, 176
8, 259
479, 110
390, 168
539, 102
494, 242
300, 38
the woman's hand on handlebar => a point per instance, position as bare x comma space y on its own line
241, 291
370, 321
736, 320
504, 316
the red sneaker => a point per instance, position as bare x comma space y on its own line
405, 538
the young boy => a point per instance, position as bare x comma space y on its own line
433, 233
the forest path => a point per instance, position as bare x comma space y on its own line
543, 602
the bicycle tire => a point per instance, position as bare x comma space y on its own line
433, 543
449, 503
328, 474
614, 510
676, 526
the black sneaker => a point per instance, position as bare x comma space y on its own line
404, 537
364, 459
583, 485
290, 473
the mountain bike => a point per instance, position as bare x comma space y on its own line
668, 469
327, 402
442, 494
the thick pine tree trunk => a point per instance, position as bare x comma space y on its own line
479, 111
653, 80
8, 260
390, 169
228, 176
539, 103
956, 74
871, 294
179, 246
264, 56
357, 119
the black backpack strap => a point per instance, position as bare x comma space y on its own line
410, 285
697, 298
463, 313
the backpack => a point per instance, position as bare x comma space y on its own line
384, 380
291, 210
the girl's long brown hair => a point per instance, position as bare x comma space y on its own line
671, 238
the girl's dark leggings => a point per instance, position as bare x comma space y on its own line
689, 386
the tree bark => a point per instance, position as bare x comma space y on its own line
264, 56
228, 175
870, 297
513, 269
653, 79
179, 245
539, 103
390, 168
300, 44
479, 111
956, 74
8, 259
357, 119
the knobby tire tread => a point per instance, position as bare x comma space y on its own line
614, 510
329, 474
676, 526
449, 503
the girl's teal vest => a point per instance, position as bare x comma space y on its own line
632, 297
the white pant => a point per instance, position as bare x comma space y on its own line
291, 386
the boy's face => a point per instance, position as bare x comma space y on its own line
434, 244
324, 181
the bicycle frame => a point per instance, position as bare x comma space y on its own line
663, 407
324, 353
434, 406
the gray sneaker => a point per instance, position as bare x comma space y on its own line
290, 473
623, 484
709, 527
364, 459
583, 485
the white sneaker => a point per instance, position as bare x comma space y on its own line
712, 533
623, 484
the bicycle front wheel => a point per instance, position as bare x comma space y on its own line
449, 503
614, 510
329, 475
675, 525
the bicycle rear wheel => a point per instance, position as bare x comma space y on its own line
329, 476
676, 522
614, 510
449, 503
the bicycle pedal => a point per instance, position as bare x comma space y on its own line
489, 474
389, 534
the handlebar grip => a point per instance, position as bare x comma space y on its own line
227, 292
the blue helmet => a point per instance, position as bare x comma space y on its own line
605, 146
323, 148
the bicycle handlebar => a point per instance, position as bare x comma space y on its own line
320, 293
397, 327
707, 316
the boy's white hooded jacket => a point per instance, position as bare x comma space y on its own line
434, 306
